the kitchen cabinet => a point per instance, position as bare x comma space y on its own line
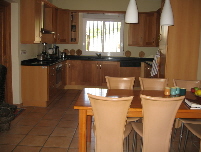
30, 22
74, 27
49, 23
131, 72
41, 84
146, 32
91, 73
62, 34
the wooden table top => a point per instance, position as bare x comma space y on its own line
84, 103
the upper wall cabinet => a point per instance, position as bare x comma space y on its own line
48, 23
30, 12
38, 21
146, 32
62, 26
74, 27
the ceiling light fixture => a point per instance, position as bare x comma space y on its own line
167, 15
131, 12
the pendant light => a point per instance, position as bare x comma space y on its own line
131, 12
167, 15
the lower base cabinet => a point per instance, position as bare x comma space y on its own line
92, 73
40, 85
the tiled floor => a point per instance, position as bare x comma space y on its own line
51, 129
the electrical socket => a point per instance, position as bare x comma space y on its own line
23, 52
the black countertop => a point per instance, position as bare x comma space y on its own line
124, 61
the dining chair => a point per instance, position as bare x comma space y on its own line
110, 125
188, 84
120, 82
158, 118
153, 83
196, 130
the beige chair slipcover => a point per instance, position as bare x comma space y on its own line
153, 83
110, 120
158, 118
120, 82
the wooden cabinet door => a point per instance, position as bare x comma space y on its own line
136, 32
108, 68
75, 75
62, 26
91, 73
30, 22
146, 32
64, 73
131, 72
151, 28
52, 81
49, 24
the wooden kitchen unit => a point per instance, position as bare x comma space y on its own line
41, 84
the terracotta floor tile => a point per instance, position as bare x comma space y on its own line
35, 115
73, 150
68, 132
27, 149
22, 130
59, 142
40, 110
31, 140
68, 116
11, 139
68, 124
28, 122
50, 149
53, 116
6, 148
41, 131
47, 123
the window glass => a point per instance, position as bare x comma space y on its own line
103, 33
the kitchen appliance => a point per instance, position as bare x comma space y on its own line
41, 57
63, 55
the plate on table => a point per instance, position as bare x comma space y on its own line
72, 52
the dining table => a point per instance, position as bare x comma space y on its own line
85, 110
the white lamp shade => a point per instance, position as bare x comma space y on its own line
131, 12
167, 15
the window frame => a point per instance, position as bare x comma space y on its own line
106, 17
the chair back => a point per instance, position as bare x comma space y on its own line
110, 119
153, 83
188, 84
158, 118
120, 82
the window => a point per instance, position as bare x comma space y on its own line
103, 33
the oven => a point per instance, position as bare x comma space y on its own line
58, 74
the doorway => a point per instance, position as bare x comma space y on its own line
5, 47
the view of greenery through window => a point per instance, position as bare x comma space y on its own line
103, 36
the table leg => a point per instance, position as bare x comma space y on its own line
89, 122
82, 130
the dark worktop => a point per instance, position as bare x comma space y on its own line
124, 61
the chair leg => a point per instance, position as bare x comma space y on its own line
186, 139
134, 146
180, 138
127, 143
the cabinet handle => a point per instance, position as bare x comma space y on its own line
69, 65
100, 66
